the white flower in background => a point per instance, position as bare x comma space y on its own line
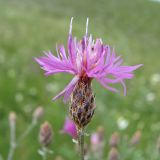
155, 78
19, 97
122, 123
150, 97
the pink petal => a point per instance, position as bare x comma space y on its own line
52, 64
124, 87
106, 86
72, 49
67, 90
63, 53
70, 128
127, 68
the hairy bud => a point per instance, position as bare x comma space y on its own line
114, 140
100, 132
82, 103
136, 138
45, 134
12, 118
38, 113
113, 154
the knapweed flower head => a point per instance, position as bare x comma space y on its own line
70, 128
86, 60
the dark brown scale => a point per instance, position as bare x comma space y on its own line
82, 103
89, 115
92, 99
86, 106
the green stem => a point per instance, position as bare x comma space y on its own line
12, 141
14, 144
81, 143
44, 156
27, 131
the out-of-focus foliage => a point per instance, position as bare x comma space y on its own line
28, 27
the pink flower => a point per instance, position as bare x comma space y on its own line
70, 128
87, 58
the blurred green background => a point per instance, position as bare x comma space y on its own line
29, 27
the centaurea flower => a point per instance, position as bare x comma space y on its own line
85, 60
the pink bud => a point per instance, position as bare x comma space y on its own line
38, 113
136, 138
113, 154
45, 134
114, 140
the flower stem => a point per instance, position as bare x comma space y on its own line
81, 143
44, 156
12, 141
27, 131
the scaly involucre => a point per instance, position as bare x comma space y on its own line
87, 58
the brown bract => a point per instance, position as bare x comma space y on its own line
45, 134
82, 102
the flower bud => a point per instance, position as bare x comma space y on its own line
12, 118
114, 140
113, 154
100, 132
82, 103
38, 113
136, 138
45, 134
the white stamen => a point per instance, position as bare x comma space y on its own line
57, 50
87, 26
70, 28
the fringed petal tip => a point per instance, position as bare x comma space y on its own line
138, 66
60, 95
37, 60
124, 88
70, 27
